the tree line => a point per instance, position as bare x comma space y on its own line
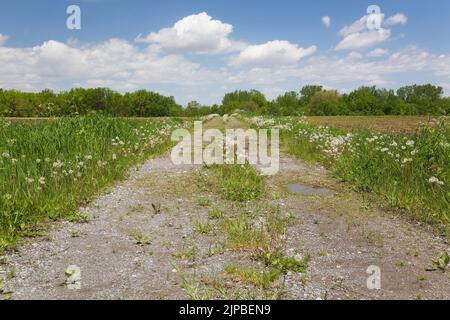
81, 101
311, 100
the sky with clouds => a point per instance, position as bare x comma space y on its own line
201, 49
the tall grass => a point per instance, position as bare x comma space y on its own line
410, 171
48, 169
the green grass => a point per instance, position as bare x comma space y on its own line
238, 182
216, 214
242, 234
265, 242
141, 239
48, 169
409, 171
202, 227
260, 277
204, 202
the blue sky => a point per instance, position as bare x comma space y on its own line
202, 49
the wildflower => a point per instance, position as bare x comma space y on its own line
29, 180
384, 150
13, 160
406, 160
5, 155
38, 160
58, 164
410, 143
42, 180
414, 152
434, 180
114, 156
101, 164
88, 157
7, 196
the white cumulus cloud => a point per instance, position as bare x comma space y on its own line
398, 18
3, 39
358, 35
271, 54
326, 21
198, 33
115, 63
360, 40
378, 52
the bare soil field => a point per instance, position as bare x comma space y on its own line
388, 124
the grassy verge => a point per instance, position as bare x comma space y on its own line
48, 169
410, 171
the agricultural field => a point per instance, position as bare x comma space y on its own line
385, 124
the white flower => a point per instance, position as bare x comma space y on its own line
101, 164
406, 160
42, 180
434, 180
38, 160
410, 143
114, 156
5, 155
29, 180
88, 157
384, 150
58, 164
414, 152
